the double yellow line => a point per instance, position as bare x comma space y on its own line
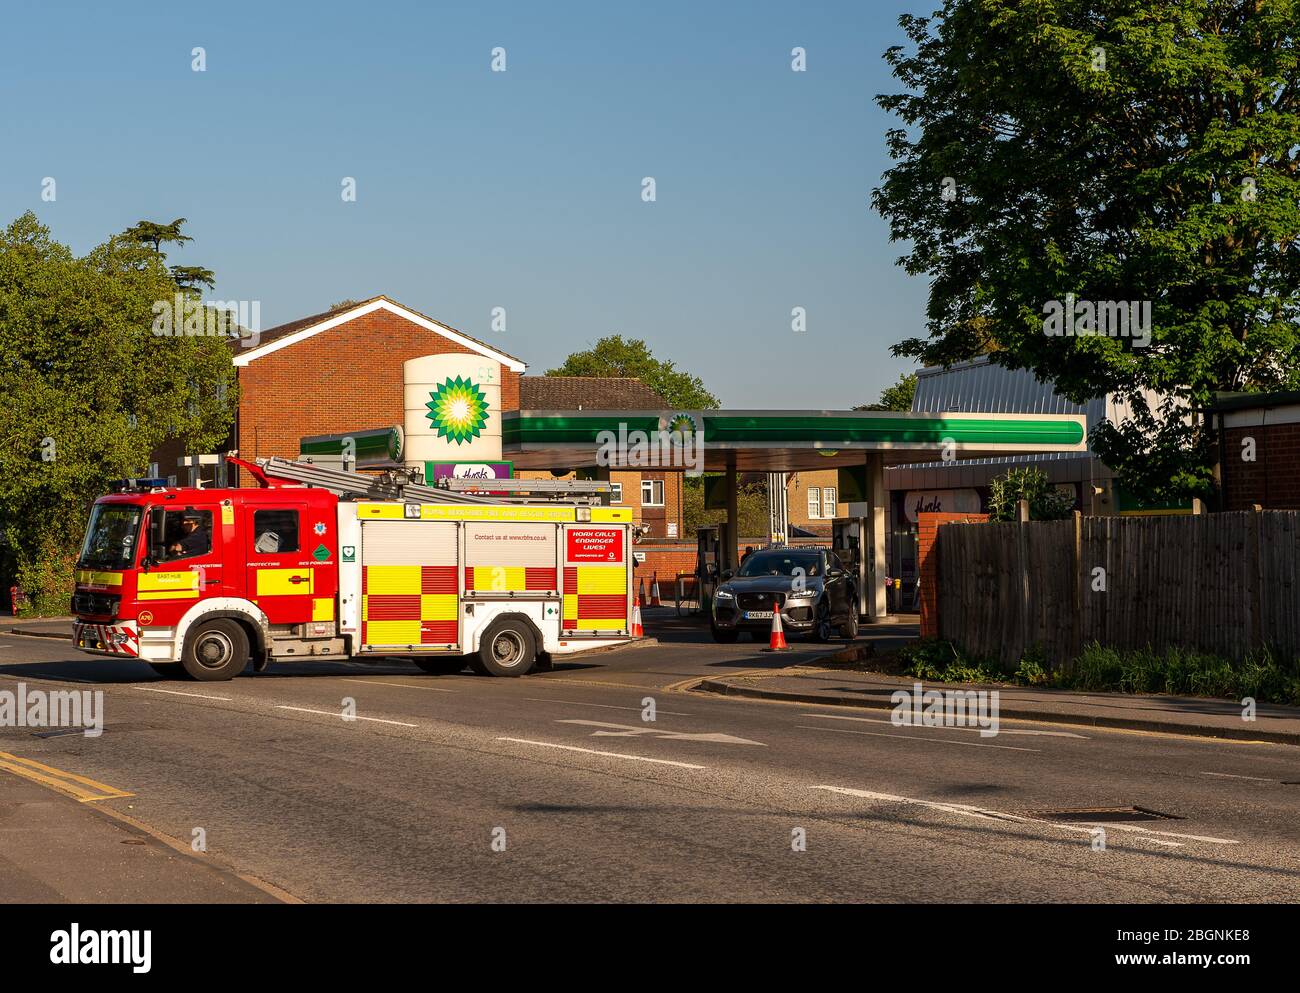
79, 787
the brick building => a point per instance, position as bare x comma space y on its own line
654, 495
1259, 450
342, 370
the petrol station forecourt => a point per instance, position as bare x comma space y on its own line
860, 444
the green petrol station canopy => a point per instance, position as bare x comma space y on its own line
781, 440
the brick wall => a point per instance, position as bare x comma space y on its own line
797, 487
1273, 479
928, 525
346, 379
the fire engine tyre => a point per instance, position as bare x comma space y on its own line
507, 648
441, 665
215, 650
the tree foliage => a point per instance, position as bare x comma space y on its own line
613, 356
1046, 503
88, 391
1116, 150
751, 507
896, 397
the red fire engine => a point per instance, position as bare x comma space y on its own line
325, 563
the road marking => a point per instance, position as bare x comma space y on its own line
85, 790
405, 686
612, 755
631, 731
945, 727
996, 815
201, 696
606, 706
356, 717
1228, 775
913, 737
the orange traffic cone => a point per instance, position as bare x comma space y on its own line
640, 594
637, 630
654, 592
776, 643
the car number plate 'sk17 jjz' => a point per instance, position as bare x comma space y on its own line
758, 615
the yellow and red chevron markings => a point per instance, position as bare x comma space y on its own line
409, 605
595, 598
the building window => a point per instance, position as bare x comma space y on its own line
829, 501
652, 493
814, 502
615, 492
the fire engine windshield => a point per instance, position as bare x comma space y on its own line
111, 537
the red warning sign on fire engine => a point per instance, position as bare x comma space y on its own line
594, 545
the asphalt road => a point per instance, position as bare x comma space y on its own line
413, 800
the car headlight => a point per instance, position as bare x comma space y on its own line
724, 595
800, 594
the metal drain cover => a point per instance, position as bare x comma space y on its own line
1091, 814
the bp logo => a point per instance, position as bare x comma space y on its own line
458, 409
681, 426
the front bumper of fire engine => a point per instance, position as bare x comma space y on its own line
120, 639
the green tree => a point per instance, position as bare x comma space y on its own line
88, 390
613, 356
1115, 150
155, 234
896, 397
1045, 502
191, 277
751, 505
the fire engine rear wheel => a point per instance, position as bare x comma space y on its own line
507, 648
215, 650
442, 665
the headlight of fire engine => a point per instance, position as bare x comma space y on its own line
724, 595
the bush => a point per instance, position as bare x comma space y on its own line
1176, 671
942, 662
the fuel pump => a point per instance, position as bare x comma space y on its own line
709, 543
847, 535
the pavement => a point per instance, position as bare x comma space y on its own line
41, 627
830, 684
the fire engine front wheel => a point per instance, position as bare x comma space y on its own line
215, 650
506, 649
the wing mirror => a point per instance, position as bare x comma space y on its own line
727, 574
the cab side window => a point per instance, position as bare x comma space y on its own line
187, 534
275, 531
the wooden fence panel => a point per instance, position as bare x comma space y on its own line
1227, 583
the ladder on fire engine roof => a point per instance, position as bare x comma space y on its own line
391, 485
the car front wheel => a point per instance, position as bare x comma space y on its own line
822, 629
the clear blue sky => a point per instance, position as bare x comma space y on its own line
478, 189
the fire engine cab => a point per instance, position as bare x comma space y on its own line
322, 563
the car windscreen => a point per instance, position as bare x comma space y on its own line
111, 537
781, 563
